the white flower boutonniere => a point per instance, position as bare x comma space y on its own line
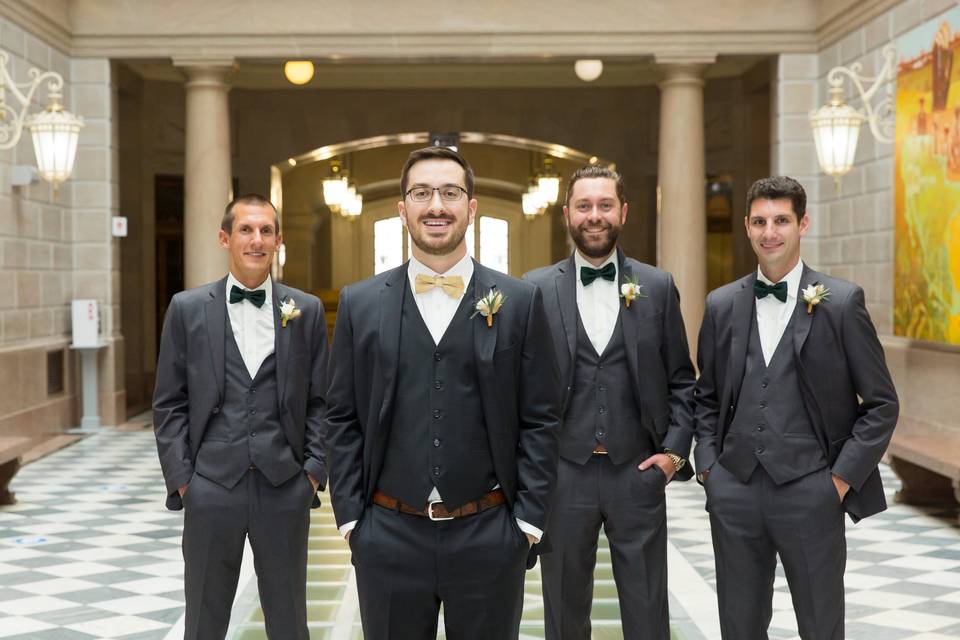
630, 291
288, 311
814, 295
488, 305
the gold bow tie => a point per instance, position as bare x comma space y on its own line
451, 285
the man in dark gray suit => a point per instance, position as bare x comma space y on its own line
443, 418
238, 414
795, 408
627, 418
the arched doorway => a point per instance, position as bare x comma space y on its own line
325, 251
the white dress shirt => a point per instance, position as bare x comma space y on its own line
253, 328
437, 309
598, 302
773, 315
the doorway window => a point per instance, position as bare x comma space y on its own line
387, 244
494, 243
492, 240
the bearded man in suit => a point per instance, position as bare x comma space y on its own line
794, 409
238, 415
443, 420
627, 415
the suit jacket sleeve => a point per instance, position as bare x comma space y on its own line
171, 422
314, 454
539, 419
879, 406
344, 431
706, 393
680, 379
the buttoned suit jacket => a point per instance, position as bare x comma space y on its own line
518, 380
190, 379
661, 373
843, 378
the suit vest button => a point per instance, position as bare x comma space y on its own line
216, 410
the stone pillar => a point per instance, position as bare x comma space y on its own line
681, 175
207, 171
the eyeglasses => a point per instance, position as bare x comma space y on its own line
448, 193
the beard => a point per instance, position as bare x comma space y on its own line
595, 248
439, 246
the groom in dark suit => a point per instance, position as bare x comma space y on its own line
795, 408
627, 418
443, 419
238, 415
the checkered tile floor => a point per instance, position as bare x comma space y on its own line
89, 552
903, 568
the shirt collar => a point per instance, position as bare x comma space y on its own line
792, 279
580, 261
463, 268
266, 285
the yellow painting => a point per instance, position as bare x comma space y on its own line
927, 184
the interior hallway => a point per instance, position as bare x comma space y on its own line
90, 553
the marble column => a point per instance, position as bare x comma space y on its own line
207, 170
681, 175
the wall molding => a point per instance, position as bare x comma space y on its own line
852, 18
38, 24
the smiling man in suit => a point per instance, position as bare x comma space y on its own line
795, 408
238, 415
627, 418
443, 420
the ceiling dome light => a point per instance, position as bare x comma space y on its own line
298, 71
588, 70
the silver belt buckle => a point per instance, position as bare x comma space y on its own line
430, 512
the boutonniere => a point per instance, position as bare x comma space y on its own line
489, 305
288, 311
814, 295
630, 291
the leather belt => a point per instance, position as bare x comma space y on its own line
436, 510
600, 450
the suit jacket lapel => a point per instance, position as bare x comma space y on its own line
630, 324
484, 337
215, 312
281, 342
803, 320
566, 282
391, 310
740, 335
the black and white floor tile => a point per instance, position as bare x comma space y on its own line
90, 553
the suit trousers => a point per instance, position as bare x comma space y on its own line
407, 565
630, 505
753, 522
216, 522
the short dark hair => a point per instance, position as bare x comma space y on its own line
596, 171
254, 199
778, 188
436, 153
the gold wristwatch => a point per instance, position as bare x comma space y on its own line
677, 461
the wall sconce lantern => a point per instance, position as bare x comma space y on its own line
54, 130
836, 125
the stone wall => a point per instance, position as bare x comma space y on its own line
851, 233
54, 247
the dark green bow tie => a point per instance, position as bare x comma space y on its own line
779, 291
589, 274
256, 297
